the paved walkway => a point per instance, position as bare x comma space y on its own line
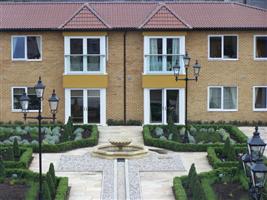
87, 184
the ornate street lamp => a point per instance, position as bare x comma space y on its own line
53, 103
176, 71
253, 165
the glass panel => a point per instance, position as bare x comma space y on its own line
34, 103
173, 105
155, 46
155, 106
93, 46
18, 47
77, 106
260, 98
230, 98
155, 60
155, 63
261, 47
215, 47
33, 48
173, 46
215, 98
230, 47
17, 93
93, 63
93, 106
172, 61
76, 61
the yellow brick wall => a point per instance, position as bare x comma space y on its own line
25, 73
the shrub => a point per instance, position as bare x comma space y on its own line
192, 176
51, 185
16, 150
46, 192
68, 130
62, 189
52, 173
178, 189
228, 151
2, 168
198, 192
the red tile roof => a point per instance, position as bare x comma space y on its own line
131, 15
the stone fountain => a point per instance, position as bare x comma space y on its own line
119, 148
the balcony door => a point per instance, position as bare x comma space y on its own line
85, 106
163, 104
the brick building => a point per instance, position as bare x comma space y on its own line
114, 60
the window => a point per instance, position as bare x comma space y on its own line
222, 98
162, 53
85, 54
223, 47
260, 98
260, 43
17, 92
26, 48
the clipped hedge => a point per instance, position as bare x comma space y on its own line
186, 147
216, 162
62, 189
178, 189
23, 162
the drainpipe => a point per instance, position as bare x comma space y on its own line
124, 77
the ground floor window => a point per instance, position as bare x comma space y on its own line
86, 105
162, 105
17, 92
222, 98
260, 98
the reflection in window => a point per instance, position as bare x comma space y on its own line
260, 98
261, 47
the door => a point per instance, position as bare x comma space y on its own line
86, 106
163, 105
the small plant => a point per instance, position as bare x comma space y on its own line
47, 194
68, 130
51, 185
192, 176
228, 151
16, 150
52, 173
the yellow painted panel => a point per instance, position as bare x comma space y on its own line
160, 33
162, 81
85, 81
84, 33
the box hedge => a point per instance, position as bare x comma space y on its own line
24, 160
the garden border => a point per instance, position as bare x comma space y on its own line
24, 160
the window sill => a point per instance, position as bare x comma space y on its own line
85, 73
260, 59
260, 110
221, 59
162, 73
29, 111
219, 110
27, 60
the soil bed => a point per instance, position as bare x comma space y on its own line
13, 192
230, 191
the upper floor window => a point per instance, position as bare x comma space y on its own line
222, 98
162, 53
26, 48
85, 54
260, 98
17, 92
260, 47
223, 47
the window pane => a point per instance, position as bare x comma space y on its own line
173, 46
155, 63
76, 46
261, 47
93, 63
215, 98
230, 47
155, 106
33, 47
215, 47
93, 93
76, 63
93, 46
260, 98
155, 46
172, 61
18, 47
17, 93
77, 106
173, 105
93, 106
230, 98
34, 103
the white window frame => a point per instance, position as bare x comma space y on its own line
164, 116
255, 48
222, 100
254, 96
102, 104
103, 54
12, 99
25, 40
164, 54
222, 47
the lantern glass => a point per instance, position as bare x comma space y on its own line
259, 179
186, 59
176, 71
39, 88
53, 102
24, 102
197, 68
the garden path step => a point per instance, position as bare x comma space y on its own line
132, 132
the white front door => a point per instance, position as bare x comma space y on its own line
161, 104
86, 106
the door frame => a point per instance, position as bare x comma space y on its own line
102, 104
164, 110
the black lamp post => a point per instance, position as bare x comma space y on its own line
253, 165
176, 70
53, 103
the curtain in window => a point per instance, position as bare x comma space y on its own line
215, 98
33, 48
175, 50
155, 61
260, 98
18, 47
230, 98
